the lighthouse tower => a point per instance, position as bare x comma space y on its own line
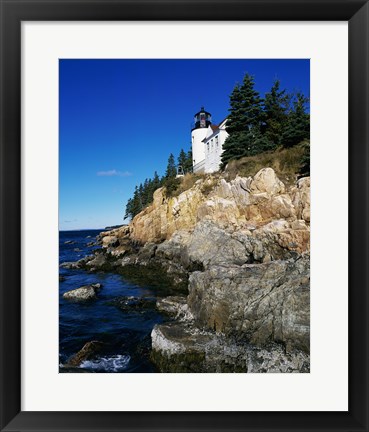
201, 122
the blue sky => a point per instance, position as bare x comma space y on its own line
120, 119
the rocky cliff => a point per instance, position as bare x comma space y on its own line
241, 250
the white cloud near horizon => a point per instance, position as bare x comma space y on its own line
113, 172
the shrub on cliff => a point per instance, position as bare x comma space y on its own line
288, 163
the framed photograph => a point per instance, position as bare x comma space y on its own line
184, 215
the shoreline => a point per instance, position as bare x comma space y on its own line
247, 307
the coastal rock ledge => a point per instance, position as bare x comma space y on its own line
239, 251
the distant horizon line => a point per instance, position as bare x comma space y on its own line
89, 229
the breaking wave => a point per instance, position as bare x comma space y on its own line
115, 363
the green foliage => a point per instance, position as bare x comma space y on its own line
276, 104
170, 181
242, 144
185, 161
246, 110
298, 123
245, 124
256, 126
143, 194
171, 170
188, 165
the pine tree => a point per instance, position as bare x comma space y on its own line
134, 205
245, 123
171, 170
156, 183
298, 123
128, 213
182, 159
188, 164
235, 122
185, 161
246, 108
171, 183
145, 196
275, 108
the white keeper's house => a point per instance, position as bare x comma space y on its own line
207, 143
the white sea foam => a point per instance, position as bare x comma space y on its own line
115, 363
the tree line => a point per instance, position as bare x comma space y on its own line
256, 125
143, 193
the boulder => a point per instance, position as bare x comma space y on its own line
99, 260
175, 306
212, 245
110, 241
267, 181
87, 292
261, 302
89, 350
301, 198
70, 265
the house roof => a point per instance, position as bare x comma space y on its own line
215, 130
223, 121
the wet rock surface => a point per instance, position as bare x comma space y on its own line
133, 303
179, 347
89, 351
84, 293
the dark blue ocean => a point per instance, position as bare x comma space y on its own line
124, 331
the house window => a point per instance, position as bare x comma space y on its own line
208, 147
212, 144
217, 140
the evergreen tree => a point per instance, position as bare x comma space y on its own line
145, 194
188, 164
235, 122
185, 161
134, 205
171, 183
128, 213
156, 183
275, 108
171, 170
182, 159
245, 123
246, 110
298, 123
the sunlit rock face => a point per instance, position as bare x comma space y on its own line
234, 204
241, 249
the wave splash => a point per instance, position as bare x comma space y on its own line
115, 363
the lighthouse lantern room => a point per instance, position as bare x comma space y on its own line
201, 122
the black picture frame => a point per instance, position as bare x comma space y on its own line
13, 12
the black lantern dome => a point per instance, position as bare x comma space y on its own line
202, 119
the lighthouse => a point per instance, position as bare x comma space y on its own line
198, 133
